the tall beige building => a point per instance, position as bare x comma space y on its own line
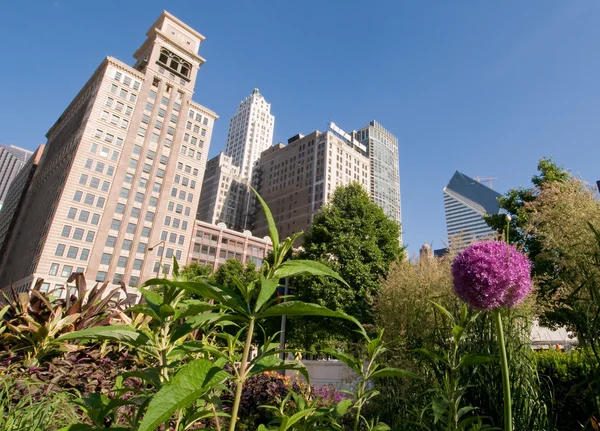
121, 171
224, 193
297, 179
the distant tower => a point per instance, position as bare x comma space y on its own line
382, 149
465, 202
425, 252
250, 132
12, 159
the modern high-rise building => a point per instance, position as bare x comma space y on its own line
382, 149
12, 159
297, 179
224, 194
250, 132
15, 196
118, 185
465, 203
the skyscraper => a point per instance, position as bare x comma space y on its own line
12, 159
250, 132
224, 194
465, 203
382, 149
117, 187
297, 179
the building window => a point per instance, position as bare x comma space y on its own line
66, 231
72, 253
84, 254
101, 276
110, 241
53, 269
78, 233
60, 250
66, 271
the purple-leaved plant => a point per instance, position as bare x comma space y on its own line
492, 274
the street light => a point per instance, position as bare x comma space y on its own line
161, 255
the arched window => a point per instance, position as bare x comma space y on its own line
174, 63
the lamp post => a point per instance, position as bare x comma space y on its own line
161, 255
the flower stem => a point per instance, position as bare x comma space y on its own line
505, 378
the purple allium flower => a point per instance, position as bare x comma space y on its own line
491, 274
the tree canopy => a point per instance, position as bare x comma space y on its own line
353, 236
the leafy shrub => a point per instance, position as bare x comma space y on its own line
572, 386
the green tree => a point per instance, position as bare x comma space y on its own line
196, 272
234, 269
514, 203
563, 218
353, 236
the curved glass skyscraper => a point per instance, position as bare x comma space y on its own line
465, 202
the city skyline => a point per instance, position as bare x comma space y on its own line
460, 92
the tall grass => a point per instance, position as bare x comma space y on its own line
32, 406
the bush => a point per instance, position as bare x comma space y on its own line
572, 387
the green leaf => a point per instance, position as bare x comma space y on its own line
124, 334
145, 310
291, 268
342, 408
191, 382
192, 323
355, 364
297, 416
475, 359
268, 286
299, 308
270, 221
457, 332
222, 295
393, 372
444, 311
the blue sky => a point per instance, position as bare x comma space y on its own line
483, 87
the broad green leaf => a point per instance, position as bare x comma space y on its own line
342, 408
381, 427
191, 382
299, 308
270, 221
124, 334
475, 359
268, 286
145, 310
192, 323
297, 416
220, 294
291, 268
165, 311
393, 372
354, 363
192, 307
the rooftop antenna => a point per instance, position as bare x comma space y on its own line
486, 180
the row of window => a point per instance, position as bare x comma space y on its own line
94, 182
77, 233
102, 276
176, 222
127, 244
118, 106
127, 80
100, 167
108, 137
66, 272
196, 115
72, 252
190, 152
123, 93
188, 169
89, 199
